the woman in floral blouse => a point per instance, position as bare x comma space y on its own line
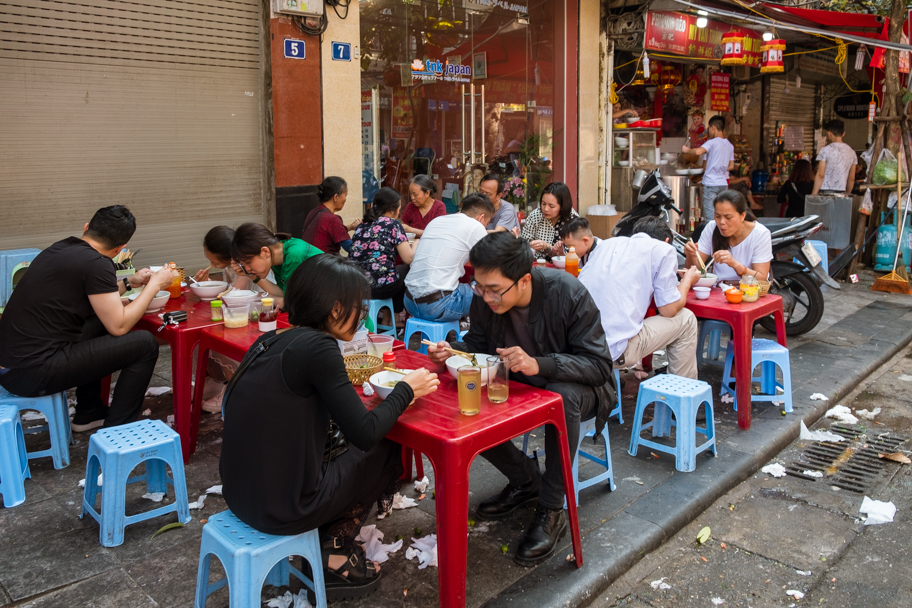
375, 244
542, 227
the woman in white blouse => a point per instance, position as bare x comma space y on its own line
542, 226
737, 242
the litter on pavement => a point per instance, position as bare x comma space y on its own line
660, 584
806, 435
155, 391
154, 496
195, 506
878, 512
868, 415
375, 550
422, 485
425, 549
842, 414
795, 594
776, 470
819, 397
290, 601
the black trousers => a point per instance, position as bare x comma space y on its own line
84, 364
579, 404
396, 290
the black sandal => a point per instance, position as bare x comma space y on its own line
354, 579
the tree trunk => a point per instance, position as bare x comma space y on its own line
892, 103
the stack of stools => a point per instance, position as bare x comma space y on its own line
713, 330
373, 312
683, 397
14, 469
12, 262
767, 354
435, 331
117, 451
252, 558
55, 410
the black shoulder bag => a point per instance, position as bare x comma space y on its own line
336, 444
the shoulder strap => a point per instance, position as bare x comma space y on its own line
261, 348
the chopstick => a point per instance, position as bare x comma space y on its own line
449, 350
398, 371
219, 296
699, 257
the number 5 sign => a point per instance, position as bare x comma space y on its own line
294, 49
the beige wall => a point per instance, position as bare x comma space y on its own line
589, 88
342, 108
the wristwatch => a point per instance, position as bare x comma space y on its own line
255, 280
126, 283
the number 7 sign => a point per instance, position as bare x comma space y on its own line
341, 51
294, 49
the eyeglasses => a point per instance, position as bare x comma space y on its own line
496, 298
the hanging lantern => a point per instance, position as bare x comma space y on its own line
733, 48
666, 79
771, 61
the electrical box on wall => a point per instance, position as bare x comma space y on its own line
309, 8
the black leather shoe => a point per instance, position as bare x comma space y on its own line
509, 499
548, 527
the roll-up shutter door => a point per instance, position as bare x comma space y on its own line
795, 108
157, 105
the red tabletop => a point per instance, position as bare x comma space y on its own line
741, 317
434, 426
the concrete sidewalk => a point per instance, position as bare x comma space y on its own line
48, 557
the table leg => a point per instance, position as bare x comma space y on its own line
202, 369
452, 486
743, 373
567, 468
181, 379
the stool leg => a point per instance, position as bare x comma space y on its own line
278, 576
113, 504
60, 432
245, 583
156, 476
312, 556
202, 580
710, 425
686, 442
637, 426
768, 378
181, 500
787, 385
12, 453
661, 422
715, 343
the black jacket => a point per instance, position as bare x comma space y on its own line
565, 323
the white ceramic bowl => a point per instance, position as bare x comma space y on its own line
623, 163
158, 302
207, 290
682, 171
240, 295
620, 142
697, 171
669, 155
380, 378
708, 281
455, 362
702, 293
560, 261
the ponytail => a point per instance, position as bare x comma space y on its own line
385, 200
250, 238
737, 200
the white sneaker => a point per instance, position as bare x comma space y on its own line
212, 388
214, 404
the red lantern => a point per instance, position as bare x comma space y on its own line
665, 80
733, 48
771, 60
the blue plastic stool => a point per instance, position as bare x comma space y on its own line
683, 397
252, 558
117, 451
713, 329
767, 354
55, 410
12, 263
435, 331
374, 308
617, 409
14, 468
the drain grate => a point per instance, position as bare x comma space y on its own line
852, 465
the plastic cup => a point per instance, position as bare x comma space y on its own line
237, 314
498, 380
377, 345
468, 379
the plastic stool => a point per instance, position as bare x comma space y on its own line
683, 397
252, 558
435, 331
117, 451
767, 354
713, 329
14, 468
54, 407
617, 409
374, 308
13, 263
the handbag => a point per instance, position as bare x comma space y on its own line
336, 443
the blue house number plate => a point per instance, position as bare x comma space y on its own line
294, 49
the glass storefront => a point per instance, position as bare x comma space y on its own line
457, 90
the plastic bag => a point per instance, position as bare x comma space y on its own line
887, 170
868, 155
867, 204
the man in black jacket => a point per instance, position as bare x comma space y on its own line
547, 327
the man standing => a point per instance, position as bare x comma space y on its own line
65, 325
504, 219
432, 288
835, 162
720, 159
624, 275
545, 325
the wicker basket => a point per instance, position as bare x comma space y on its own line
764, 287
361, 367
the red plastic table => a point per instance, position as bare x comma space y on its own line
434, 427
741, 317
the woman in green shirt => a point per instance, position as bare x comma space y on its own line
256, 250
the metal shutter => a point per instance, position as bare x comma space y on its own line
797, 107
155, 105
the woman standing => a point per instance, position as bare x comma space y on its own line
256, 250
323, 228
799, 184
375, 244
423, 206
542, 227
278, 478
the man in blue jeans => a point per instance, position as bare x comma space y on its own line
432, 288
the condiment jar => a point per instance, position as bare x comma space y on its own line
389, 359
216, 308
750, 287
175, 288
267, 315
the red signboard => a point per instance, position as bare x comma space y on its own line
677, 33
718, 92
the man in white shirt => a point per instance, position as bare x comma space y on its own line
720, 159
624, 275
504, 219
835, 162
432, 288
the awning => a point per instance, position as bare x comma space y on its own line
869, 26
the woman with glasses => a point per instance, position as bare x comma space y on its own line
542, 227
281, 478
256, 250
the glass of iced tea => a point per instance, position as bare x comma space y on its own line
498, 380
468, 378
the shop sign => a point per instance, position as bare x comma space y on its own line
852, 107
509, 6
718, 92
671, 32
433, 70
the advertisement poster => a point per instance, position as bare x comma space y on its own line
718, 91
671, 32
402, 113
367, 133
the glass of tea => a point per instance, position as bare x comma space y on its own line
498, 380
468, 379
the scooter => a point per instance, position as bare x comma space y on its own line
653, 199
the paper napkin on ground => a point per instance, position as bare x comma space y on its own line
375, 550
878, 512
425, 549
806, 435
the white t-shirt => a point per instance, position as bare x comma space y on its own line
442, 253
719, 153
623, 275
839, 159
757, 248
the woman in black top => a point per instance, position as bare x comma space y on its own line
799, 184
278, 415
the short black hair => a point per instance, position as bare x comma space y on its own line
493, 177
476, 203
504, 252
321, 282
654, 227
717, 122
835, 126
112, 226
575, 225
250, 238
218, 242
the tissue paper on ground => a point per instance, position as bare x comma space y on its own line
878, 512
403, 502
155, 391
868, 415
422, 486
195, 506
425, 549
154, 496
819, 397
842, 414
806, 435
375, 550
776, 470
